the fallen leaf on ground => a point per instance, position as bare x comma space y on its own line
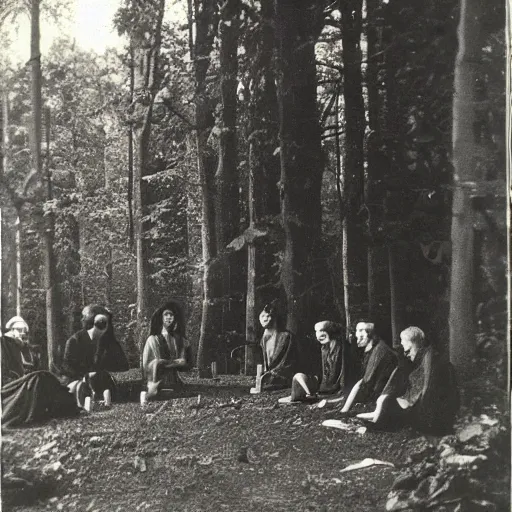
366, 463
470, 432
337, 424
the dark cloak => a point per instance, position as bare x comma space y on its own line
379, 366
430, 386
34, 398
283, 364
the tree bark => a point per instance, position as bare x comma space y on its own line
297, 27
263, 194
354, 243
204, 34
227, 196
465, 160
36, 163
146, 85
372, 199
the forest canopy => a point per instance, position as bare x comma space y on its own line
345, 158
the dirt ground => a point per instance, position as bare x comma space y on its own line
234, 451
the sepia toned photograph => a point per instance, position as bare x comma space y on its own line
255, 255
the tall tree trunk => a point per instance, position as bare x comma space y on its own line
264, 170
36, 161
297, 26
205, 30
5, 168
227, 210
465, 161
393, 138
354, 243
373, 205
51, 280
129, 195
146, 85
19, 281
396, 281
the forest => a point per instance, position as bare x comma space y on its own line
345, 158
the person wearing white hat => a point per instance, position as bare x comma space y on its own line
330, 382
17, 329
32, 397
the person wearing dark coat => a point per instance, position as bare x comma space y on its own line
35, 398
280, 351
30, 398
91, 353
166, 351
306, 387
379, 362
423, 395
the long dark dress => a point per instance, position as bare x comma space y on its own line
430, 387
34, 398
333, 366
282, 364
12, 361
379, 363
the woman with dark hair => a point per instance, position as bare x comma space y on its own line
280, 353
91, 353
166, 351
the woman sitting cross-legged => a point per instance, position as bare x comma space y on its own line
423, 395
331, 381
166, 351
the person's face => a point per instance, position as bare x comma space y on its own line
265, 319
20, 331
362, 334
167, 318
410, 347
323, 337
101, 323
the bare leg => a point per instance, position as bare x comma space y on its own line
301, 379
375, 415
351, 397
380, 406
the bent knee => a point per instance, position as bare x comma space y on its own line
382, 399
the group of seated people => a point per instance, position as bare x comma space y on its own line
414, 386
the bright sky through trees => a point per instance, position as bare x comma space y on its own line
90, 23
